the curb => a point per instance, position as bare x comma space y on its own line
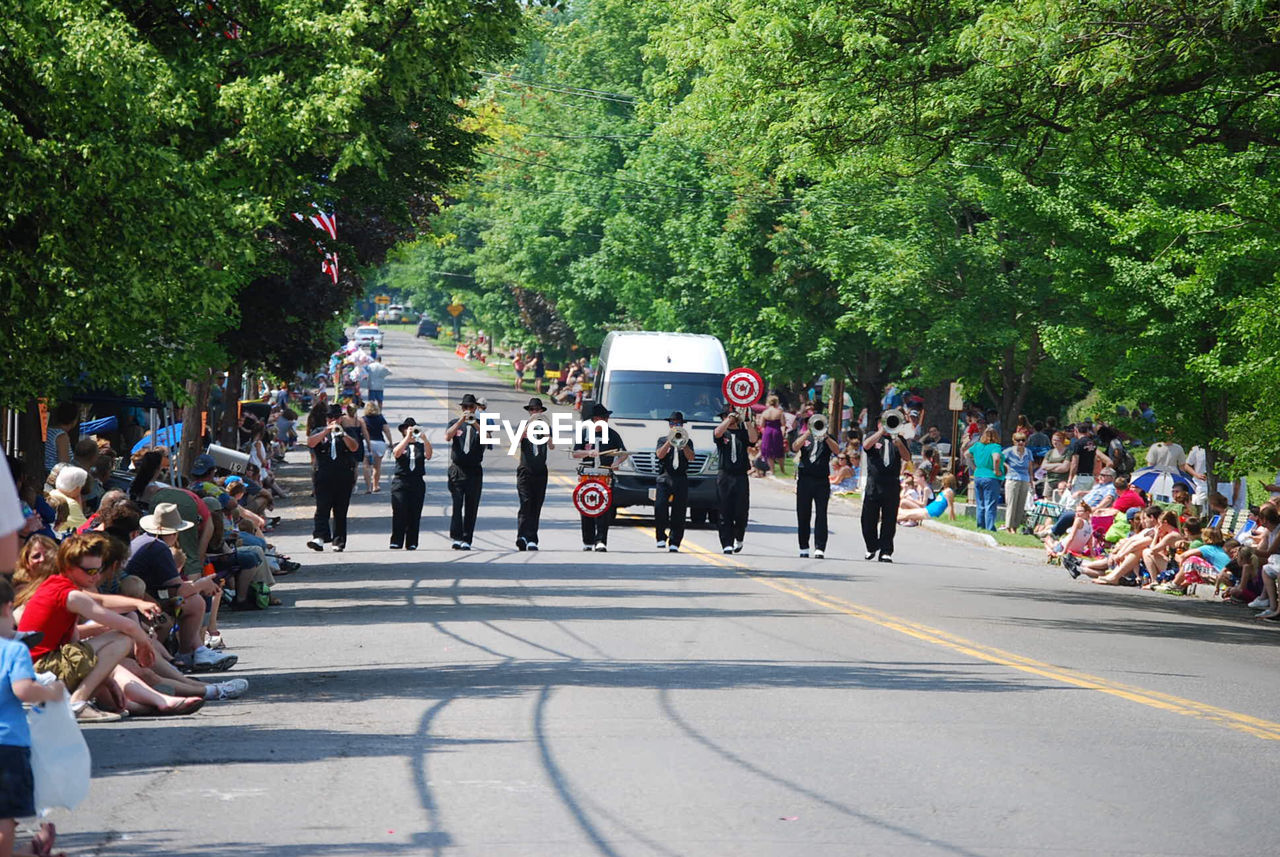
960, 535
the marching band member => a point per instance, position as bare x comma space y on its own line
466, 475
335, 478
813, 487
733, 484
672, 495
595, 531
408, 486
531, 480
880, 499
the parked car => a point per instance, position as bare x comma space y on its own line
428, 327
367, 335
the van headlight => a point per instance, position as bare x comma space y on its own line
627, 465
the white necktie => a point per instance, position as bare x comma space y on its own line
813, 451
333, 445
733, 448
466, 440
412, 456
886, 453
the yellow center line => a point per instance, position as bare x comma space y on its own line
1255, 726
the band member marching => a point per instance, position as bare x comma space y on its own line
531, 480
733, 484
466, 475
674, 453
880, 499
408, 485
595, 530
813, 485
335, 477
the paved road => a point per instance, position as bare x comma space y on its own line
964, 701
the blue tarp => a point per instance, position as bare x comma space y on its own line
169, 436
105, 424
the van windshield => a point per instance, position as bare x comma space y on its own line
640, 395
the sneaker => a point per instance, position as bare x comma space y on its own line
531, 546
601, 547
315, 544
411, 547
673, 548
464, 546
727, 549
232, 688
339, 548
737, 547
819, 553
214, 641
288, 565
1071, 563
90, 713
204, 659
870, 556
885, 558
457, 545
588, 547
1260, 603
393, 546
804, 553
662, 543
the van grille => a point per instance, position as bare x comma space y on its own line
647, 463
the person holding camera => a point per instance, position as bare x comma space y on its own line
408, 485
335, 479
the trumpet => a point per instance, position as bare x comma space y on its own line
678, 437
895, 421
817, 426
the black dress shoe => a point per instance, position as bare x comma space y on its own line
870, 556
884, 558
520, 545
393, 546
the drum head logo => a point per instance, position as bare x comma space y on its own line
742, 387
592, 499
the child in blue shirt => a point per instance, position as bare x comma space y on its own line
18, 685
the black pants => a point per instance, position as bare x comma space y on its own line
531, 485
406, 510
812, 495
880, 519
465, 484
670, 502
333, 495
596, 530
734, 493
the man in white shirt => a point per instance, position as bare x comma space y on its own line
376, 377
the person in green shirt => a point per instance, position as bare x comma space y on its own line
987, 464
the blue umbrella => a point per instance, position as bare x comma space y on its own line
167, 436
1149, 478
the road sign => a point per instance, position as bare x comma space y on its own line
455, 310
382, 300
955, 397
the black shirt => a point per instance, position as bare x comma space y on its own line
674, 465
533, 456
732, 447
466, 450
815, 462
1087, 449
332, 455
883, 477
411, 463
612, 440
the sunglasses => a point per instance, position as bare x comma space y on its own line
92, 572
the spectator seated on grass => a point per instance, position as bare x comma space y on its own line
1207, 563
943, 503
1075, 540
1100, 496
68, 487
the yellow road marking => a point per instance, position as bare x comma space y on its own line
1255, 726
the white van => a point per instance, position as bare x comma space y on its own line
642, 377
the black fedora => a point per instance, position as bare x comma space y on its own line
535, 404
676, 417
408, 421
599, 411
469, 400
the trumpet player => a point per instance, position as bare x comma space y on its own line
408, 485
735, 433
335, 477
671, 498
531, 479
814, 447
466, 473
885, 454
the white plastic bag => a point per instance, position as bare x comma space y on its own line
59, 756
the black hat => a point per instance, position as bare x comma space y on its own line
676, 417
408, 421
470, 400
599, 411
535, 404
335, 410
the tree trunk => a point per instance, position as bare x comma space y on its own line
1015, 385
228, 433
193, 421
31, 444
